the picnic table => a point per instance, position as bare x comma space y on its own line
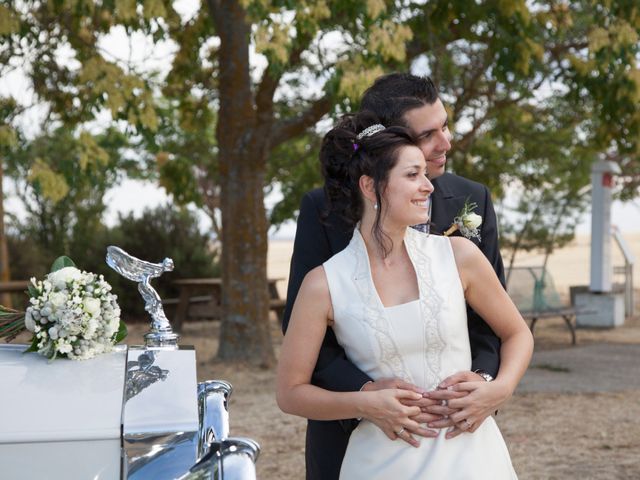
533, 291
14, 286
189, 288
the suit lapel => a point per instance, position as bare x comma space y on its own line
443, 210
446, 205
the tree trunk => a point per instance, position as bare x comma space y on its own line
244, 334
5, 275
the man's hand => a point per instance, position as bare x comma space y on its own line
473, 398
414, 425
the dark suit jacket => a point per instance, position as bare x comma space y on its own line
317, 241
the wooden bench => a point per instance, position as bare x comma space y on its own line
189, 287
199, 307
204, 309
533, 291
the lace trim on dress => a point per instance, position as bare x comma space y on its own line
374, 314
430, 306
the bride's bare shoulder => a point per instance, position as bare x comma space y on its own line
464, 250
315, 282
314, 294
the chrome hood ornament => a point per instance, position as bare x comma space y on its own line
140, 271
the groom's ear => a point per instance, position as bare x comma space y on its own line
367, 187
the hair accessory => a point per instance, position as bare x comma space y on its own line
373, 129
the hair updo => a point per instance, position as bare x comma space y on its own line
344, 158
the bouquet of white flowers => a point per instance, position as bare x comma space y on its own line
72, 314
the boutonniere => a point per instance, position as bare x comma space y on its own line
466, 221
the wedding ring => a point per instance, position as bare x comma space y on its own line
444, 403
467, 423
400, 431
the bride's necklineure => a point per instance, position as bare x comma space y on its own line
404, 258
405, 304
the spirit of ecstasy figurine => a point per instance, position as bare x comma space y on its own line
132, 268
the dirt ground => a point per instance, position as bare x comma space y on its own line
550, 436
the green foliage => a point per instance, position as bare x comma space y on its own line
28, 259
294, 165
62, 262
62, 180
122, 332
537, 91
79, 85
183, 155
8, 135
158, 233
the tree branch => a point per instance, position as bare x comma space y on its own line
269, 83
286, 129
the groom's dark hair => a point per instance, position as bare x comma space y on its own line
392, 95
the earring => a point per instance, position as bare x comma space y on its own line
375, 206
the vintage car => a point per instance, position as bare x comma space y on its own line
135, 413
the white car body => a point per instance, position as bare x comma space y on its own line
134, 413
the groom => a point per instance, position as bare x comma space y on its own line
411, 101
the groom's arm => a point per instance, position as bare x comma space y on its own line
334, 371
485, 345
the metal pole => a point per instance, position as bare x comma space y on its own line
601, 186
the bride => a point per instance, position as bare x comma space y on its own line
395, 298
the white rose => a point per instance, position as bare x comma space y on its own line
29, 322
91, 306
64, 347
58, 299
61, 277
472, 220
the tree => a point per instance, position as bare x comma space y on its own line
538, 91
183, 155
256, 111
8, 142
251, 124
494, 60
519, 76
61, 179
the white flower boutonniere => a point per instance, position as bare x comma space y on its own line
466, 221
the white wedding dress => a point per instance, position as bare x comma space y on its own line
422, 342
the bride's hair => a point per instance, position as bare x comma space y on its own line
349, 151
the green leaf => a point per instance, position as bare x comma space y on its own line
121, 333
34, 345
62, 262
33, 291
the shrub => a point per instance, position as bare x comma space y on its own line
165, 231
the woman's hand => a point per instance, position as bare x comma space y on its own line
387, 409
470, 400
